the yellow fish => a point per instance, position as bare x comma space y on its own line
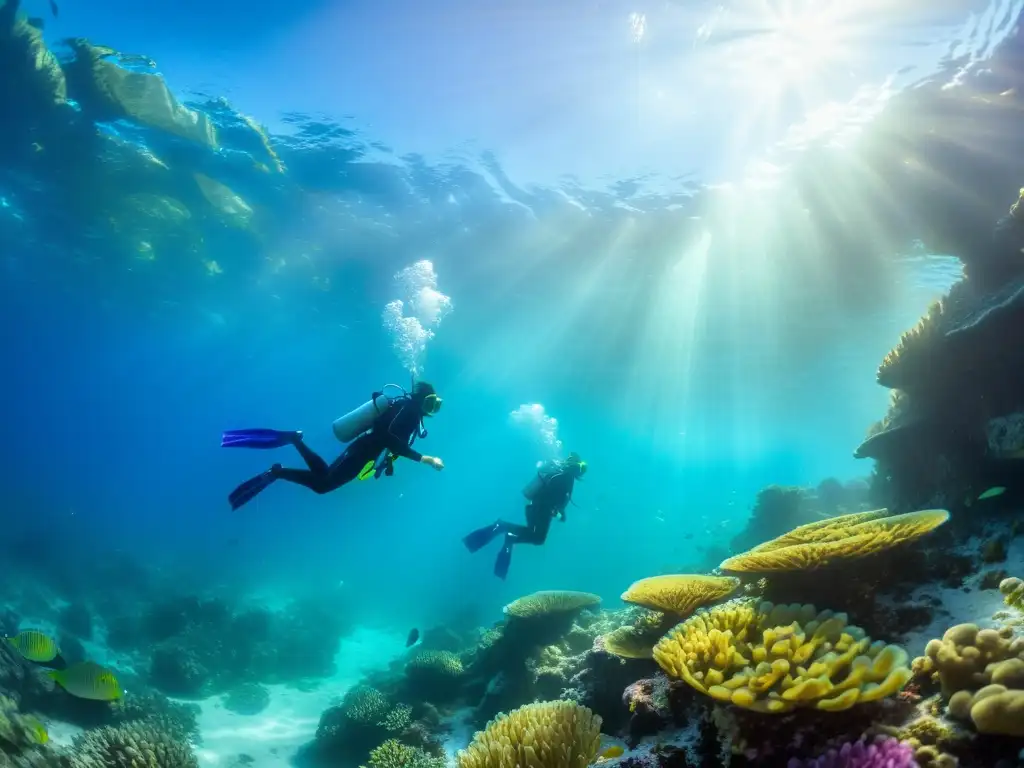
35, 728
88, 680
34, 645
613, 751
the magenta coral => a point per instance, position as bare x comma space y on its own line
884, 752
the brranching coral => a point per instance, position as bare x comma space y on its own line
882, 752
777, 658
556, 734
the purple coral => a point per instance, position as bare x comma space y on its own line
884, 752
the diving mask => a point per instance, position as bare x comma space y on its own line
431, 405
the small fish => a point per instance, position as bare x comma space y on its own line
88, 680
54, 9
992, 493
613, 751
414, 635
34, 646
36, 729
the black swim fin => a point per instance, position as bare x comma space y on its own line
503, 560
481, 537
252, 487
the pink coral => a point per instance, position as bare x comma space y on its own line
884, 752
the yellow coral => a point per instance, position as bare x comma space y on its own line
843, 542
680, 594
913, 347
435, 663
1013, 592
549, 602
829, 529
630, 643
773, 659
554, 734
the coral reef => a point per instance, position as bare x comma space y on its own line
557, 734
247, 699
775, 658
679, 594
882, 752
131, 745
394, 754
836, 539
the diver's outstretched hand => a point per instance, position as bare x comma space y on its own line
433, 461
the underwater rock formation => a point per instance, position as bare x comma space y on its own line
953, 427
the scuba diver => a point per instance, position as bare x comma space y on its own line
548, 494
380, 430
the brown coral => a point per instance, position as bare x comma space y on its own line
554, 734
680, 594
842, 542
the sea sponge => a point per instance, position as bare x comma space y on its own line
1013, 592
823, 545
137, 744
554, 734
773, 659
966, 658
680, 594
982, 675
548, 602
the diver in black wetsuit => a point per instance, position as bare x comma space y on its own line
390, 436
549, 493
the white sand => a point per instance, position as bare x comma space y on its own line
273, 737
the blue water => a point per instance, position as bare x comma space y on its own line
691, 355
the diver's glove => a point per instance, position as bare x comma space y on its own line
433, 461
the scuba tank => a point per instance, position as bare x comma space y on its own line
544, 473
358, 420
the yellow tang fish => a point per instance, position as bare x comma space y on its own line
34, 645
613, 751
88, 680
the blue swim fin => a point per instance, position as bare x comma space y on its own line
258, 438
251, 488
503, 560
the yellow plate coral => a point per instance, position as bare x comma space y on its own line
814, 546
680, 593
775, 658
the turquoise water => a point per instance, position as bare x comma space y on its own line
619, 223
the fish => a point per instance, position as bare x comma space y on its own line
35, 645
414, 635
54, 9
36, 729
88, 680
613, 751
992, 493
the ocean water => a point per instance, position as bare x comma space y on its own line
677, 239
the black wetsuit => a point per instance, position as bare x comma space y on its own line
550, 500
393, 430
